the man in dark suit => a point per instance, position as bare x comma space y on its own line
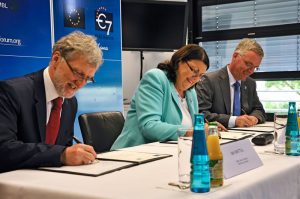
37, 111
229, 95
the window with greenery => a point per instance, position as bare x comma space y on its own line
275, 95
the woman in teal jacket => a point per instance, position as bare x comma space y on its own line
165, 99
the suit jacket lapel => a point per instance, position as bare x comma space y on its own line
175, 95
40, 102
224, 82
189, 100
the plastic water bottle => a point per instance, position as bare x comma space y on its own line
200, 176
292, 140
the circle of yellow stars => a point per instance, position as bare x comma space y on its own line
71, 19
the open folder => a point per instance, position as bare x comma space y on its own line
109, 162
97, 168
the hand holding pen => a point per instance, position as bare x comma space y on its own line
246, 121
78, 154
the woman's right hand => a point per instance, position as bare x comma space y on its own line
221, 127
189, 133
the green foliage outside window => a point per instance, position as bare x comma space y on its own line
281, 85
284, 85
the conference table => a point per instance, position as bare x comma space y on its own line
278, 177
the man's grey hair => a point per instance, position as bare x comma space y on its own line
249, 45
78, 43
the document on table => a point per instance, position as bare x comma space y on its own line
222, 141
257, 128
109, 162
99, 167
266, 124
235, 135
131, 156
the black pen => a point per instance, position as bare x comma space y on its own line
77, 140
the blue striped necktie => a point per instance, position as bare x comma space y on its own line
236, 99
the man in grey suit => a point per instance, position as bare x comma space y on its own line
229, 95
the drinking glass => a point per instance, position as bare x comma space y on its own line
184, 155
280, 120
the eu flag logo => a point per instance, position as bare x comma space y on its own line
74, 18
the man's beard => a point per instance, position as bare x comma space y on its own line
60, 85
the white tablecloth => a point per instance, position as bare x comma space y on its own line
279, 177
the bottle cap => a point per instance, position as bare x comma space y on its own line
212, 124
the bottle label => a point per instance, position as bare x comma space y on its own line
292, 145
216, 168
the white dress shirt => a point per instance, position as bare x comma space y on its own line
186, 116
50, 92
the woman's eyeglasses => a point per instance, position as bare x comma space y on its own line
195, 71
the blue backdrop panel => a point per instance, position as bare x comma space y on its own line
25, 36
101, 19
15, 66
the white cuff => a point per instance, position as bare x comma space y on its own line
231, 122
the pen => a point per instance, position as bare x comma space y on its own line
76, 140
243, 111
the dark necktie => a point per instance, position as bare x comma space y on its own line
236, 99
54, 121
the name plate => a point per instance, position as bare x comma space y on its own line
239, 157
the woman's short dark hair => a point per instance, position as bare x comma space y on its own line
184, 54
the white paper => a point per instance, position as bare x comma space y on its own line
131, 156
239, 157
255, 128
235, 135
266, 124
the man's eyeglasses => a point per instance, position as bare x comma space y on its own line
249, 64
195, 71
78, 75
